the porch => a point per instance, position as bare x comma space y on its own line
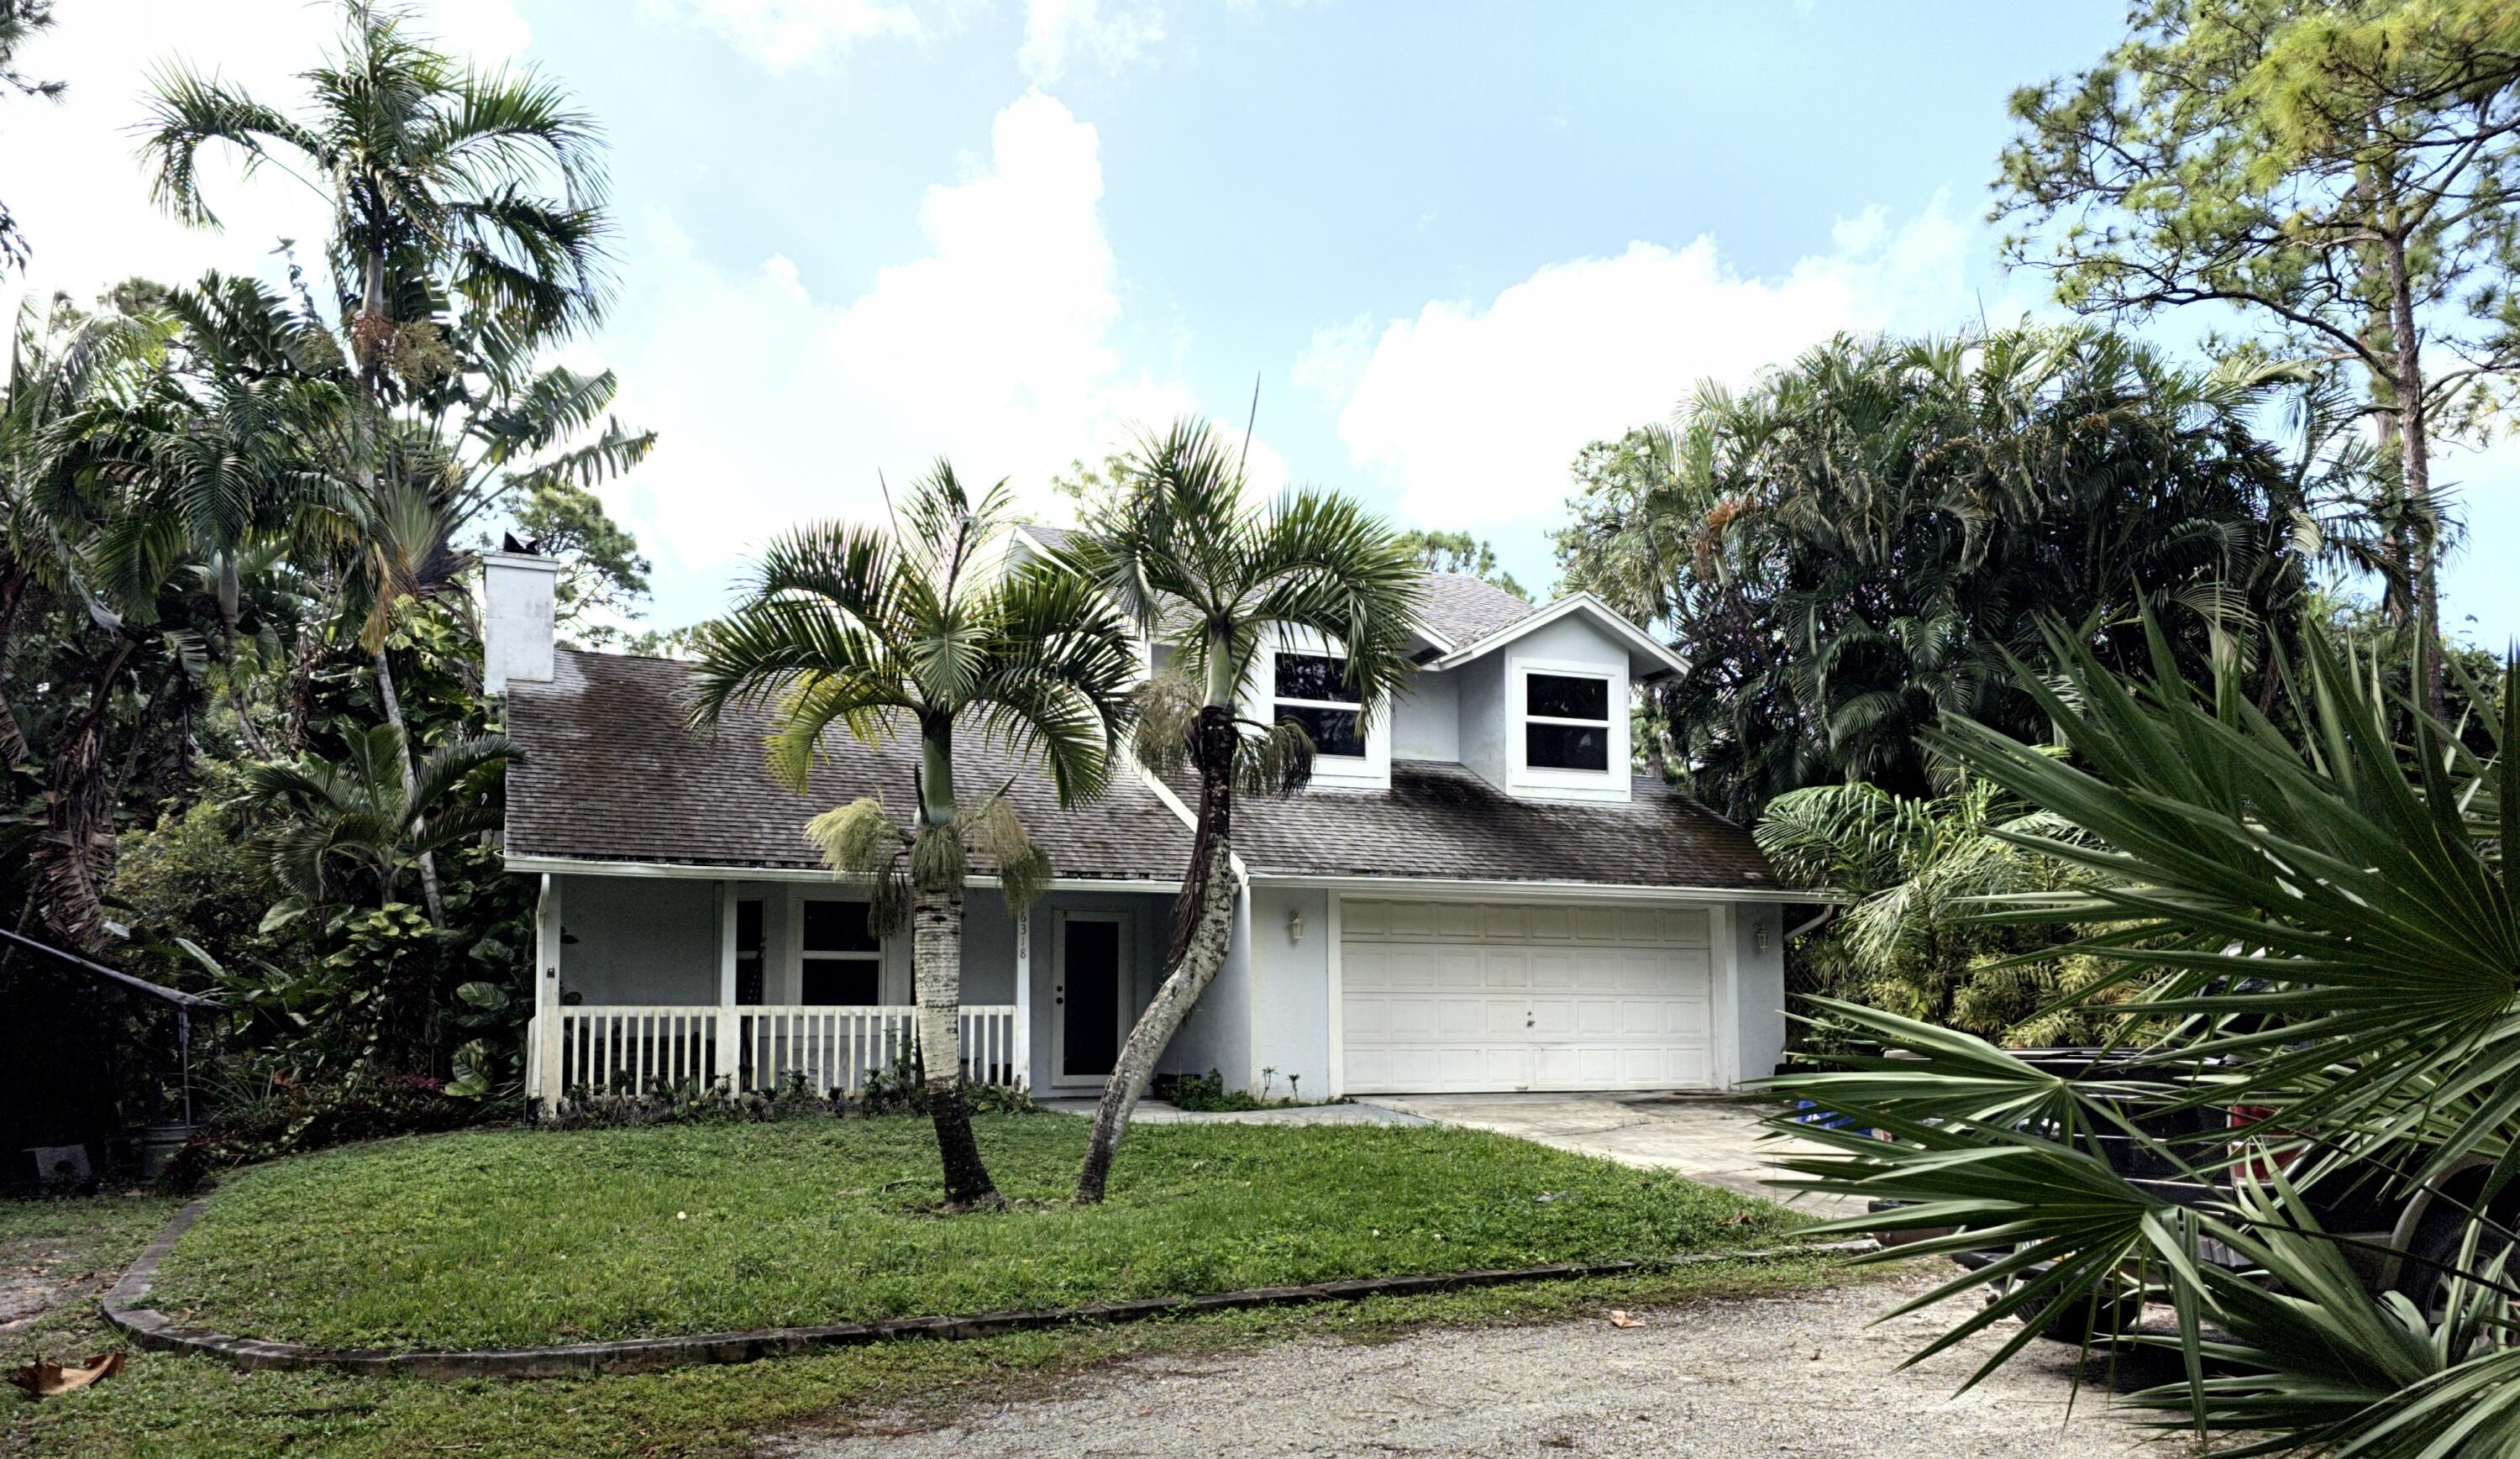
659, 978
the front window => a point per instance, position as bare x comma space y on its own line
1567, 722
843, 960
1312, 690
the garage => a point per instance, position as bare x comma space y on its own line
1466, 997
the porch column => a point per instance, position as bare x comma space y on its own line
728, 1039
1022, 1060
543, 1071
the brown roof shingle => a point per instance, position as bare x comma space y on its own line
1466, 609
1441, 820
611, 775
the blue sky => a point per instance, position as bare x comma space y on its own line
1452, 241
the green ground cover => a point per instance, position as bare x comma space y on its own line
506, 1238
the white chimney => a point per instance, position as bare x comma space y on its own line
516, 619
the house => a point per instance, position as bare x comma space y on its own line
1476, 891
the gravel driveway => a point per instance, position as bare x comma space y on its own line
1800, 1375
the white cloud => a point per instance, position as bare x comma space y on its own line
776, 405
1474, 411
1060, 37
74, 179
782, 35
1108, 34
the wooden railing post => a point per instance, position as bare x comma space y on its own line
729, 1050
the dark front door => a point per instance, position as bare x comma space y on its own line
1088, 997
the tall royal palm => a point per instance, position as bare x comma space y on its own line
1214, 578
914, 630
467, 231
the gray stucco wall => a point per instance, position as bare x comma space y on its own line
640, 939
1759, 1003
1481, 691
1290, 980
1218, 1033
1426, 718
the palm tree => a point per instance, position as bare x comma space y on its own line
1915, 868
2325, 913
337, 825
467, 233
881, 633
1850, 547
1213, 579
333, 829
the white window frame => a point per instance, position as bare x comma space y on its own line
887, 990
1368, 771
1547, 783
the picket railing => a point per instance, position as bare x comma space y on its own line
618, 1048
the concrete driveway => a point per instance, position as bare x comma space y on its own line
1807, 1375
1714, 1139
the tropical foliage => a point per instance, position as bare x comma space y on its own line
912, 632
2333, 954
240, 710
1915, 867
1848, 550
1217, 580
1464, 554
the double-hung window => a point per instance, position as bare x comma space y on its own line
1567, 722
843, 965
1312, 690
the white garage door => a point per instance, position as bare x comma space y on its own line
1453, 997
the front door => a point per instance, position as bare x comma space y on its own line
1087, 996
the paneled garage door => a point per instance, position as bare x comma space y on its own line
1456, 997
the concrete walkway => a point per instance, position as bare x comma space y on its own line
1714, 1139
1158, 1112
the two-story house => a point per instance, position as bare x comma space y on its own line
1476, 891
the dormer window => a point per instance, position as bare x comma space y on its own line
1311, 689
1565, 728
1567, 722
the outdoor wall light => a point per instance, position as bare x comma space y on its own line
1295, 925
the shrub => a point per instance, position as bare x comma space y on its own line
295, 1120
893, 1090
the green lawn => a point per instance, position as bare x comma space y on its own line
515, 1237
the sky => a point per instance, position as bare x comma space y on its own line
1448, 243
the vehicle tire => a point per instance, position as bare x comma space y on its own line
2421, 1279
2081, 1322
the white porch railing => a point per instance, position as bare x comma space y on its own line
618, 1048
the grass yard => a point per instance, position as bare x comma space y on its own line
506, 1238
170, 1407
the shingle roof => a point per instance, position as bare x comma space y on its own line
1441, 820
1466, 609
611, 775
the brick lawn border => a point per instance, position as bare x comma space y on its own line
124, 1307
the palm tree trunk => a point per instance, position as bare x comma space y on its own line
1201, 934
410, 784
936, 969
2415, 444
73, 857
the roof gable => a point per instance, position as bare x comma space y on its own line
1648, 657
